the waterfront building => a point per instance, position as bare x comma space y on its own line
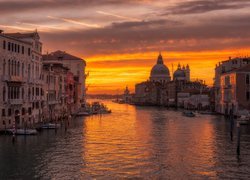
127, 96
178, 92
182, 74
20, 85
226, 74
54, 76
76, 65
153, 91
235, 90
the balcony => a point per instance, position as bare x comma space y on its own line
12, 78
52, 102
16, 101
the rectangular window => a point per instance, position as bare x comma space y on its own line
4, 44
8, 46
9, 112
3, 112
29, 51
247, 79
247, 95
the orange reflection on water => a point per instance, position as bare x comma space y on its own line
148, 142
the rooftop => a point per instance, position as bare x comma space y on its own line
60, 55
23, 35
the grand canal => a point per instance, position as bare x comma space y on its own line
132, 142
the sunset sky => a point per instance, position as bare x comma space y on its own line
120, 39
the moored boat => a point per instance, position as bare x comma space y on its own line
50, 126
82, 113
243, 120
188, 114
22, 131
26, 132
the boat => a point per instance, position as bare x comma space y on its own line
26, 132
50, 126
83, 113
22, 131
99, 108
243, 120
188, 114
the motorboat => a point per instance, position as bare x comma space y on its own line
22, 131
188, 114
82, 113
26, 132
50, 126
243, 120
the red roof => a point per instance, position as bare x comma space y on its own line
60, 55
22, 35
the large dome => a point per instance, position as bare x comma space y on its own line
159, 69
160, 72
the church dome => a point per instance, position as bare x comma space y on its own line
179, 73
160, 71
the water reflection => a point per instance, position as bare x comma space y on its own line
132, 142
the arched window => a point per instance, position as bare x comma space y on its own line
29, 71
4, 94
22, 69
18, 68
15, 68
29, 93
4, 66
22, 93
9, 67
12, 68
18, 92
247, 79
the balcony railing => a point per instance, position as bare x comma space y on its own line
16, 101
12, 78
51, 102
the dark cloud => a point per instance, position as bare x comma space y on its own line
17, 6
131, 37
203, 6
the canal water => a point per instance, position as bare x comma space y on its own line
132, 142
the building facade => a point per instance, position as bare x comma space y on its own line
34, 89
76, 65
178, 92
21, 86
235, 91
226, 82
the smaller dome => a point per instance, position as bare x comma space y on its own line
179, 73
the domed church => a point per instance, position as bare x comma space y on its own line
160, 72
182, 74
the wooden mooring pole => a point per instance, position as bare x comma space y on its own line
238, 138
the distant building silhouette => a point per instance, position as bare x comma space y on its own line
161, 90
